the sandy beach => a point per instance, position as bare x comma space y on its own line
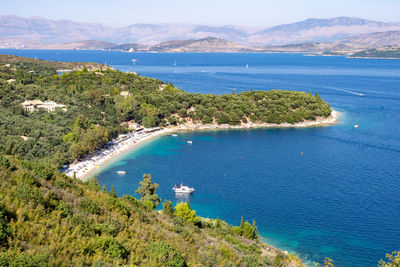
84, 168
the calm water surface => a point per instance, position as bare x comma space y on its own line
340, 199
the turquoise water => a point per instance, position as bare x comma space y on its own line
339, 199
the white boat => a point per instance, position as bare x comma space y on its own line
189, 142
183, 189
356, 126
121, 172
174, 135
247, 66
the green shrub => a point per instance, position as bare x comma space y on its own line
89, 206
63, 207
30, 193
61, 183
251, 261
168, 209
280, 259
236, 230
13, 259
148, 205
183, 210
248, 231
5, 230
163, 254
111, 247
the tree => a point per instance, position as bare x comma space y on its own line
183, 210
149, 121
168, 209
255, 229
147, 190
248, 231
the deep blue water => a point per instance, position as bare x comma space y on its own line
340, 199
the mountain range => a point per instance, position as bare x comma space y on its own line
26, 32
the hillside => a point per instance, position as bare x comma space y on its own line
319, 30
209, 44
131, 47
95, 98
49, 219
18, 32
83, 45
383, 52
344, 46
38, 65
374, 40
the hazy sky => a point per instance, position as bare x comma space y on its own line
216, 12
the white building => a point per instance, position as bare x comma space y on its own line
34, 105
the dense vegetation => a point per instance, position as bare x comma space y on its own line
49, 219
383, 52
96, 108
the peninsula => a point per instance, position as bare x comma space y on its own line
49, 120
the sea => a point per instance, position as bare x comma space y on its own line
319, 192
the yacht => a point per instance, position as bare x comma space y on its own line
121, 172
183, 189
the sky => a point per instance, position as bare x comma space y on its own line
211, 12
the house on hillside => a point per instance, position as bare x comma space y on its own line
131, 125
34, 105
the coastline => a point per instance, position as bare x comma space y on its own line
375, 57
88, 166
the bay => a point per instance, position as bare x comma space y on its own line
339, 199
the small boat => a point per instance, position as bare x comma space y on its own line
247, 66
356, 126
174, 135
189, 142
183, 189
121, 172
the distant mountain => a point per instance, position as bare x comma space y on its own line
345, 46
52, 31
22, 32
131, 47
83, 45
375, 40
319, 30
209, 44
59, 31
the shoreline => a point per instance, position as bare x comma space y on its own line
88, 166
374, 57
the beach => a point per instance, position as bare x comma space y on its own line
85, 167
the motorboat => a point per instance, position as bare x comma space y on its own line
189, 142
356, 126
183, 189
174, 135
121, 172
